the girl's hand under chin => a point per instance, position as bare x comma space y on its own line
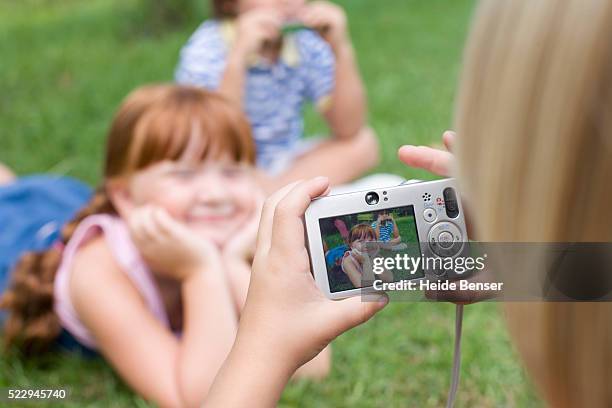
170, 248
241, 246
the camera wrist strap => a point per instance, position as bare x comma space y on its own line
456, 358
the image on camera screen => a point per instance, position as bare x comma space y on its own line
355, 246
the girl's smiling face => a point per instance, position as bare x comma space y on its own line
187, 151
364, 244
214, 197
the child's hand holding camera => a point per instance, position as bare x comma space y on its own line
384, 218
440, 162
286, 320
256, 28
168, 246
328, 19
435, 161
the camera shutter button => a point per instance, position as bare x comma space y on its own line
445, 239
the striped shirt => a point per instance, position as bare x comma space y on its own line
274, 92
386, 230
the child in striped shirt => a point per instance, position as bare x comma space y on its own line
273, 56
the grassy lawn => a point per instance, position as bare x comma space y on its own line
64, 68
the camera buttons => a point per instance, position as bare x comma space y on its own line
429, 215
445, 239
450, 202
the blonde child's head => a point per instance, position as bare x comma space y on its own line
181, 148
534, 160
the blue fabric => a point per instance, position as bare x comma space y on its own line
67, 342
33, 210
386, 230
334, 255
274, 93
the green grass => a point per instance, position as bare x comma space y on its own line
64, 68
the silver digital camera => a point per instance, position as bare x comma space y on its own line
357, 239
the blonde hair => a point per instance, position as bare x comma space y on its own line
154, 123
534, 155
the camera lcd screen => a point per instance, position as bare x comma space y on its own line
355, 246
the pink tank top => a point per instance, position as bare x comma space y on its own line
125, 253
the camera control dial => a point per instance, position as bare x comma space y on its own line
445, 239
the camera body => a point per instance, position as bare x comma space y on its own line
344, 237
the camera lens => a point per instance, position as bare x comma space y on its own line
371, 198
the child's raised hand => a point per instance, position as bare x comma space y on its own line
436, 161
255, 28
328, 19
427, 158
169, 247
286, 317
